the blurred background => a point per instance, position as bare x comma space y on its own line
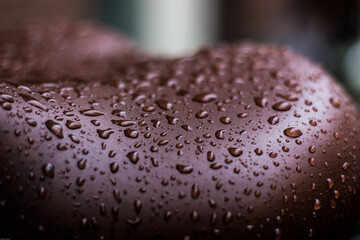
327, 31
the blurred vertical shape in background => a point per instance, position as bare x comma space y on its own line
352, 68
322, 30
168, 28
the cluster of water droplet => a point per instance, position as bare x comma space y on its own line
235, 140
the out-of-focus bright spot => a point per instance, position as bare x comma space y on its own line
176, 27
352, 69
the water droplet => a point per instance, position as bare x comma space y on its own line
186, 127
163, 142
49, 170
102, 209
281, 106
195, 191
225, 120
156, 123
164, 104
6, 106
261, 101
72, 124
335, 102
212, 203
195, 216
84, 223
167, 215
205, 97
74, 139
273, 120
250, 228
273, 154
242, 115
119, 113
116, 194
80, 181
154, 162
61, 147
149, 108
81, 163
185, 169
228, 216
312, 149
7, 98
137, 206
330, 183
258, 151
32, 101
288, 97
235, 152
112, 153
312, 122
312, 161
215, 166
247, 191
91, 113
134, 222
219, 134
172, 120
123, 123
292, 132
114, 167
42, 192
105, 134
332, 203
31, 122
95, 122
131, 133
317, 204
278, 233
345, 166
133, 157
55, 128
95, 224
210, 156
202, 114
